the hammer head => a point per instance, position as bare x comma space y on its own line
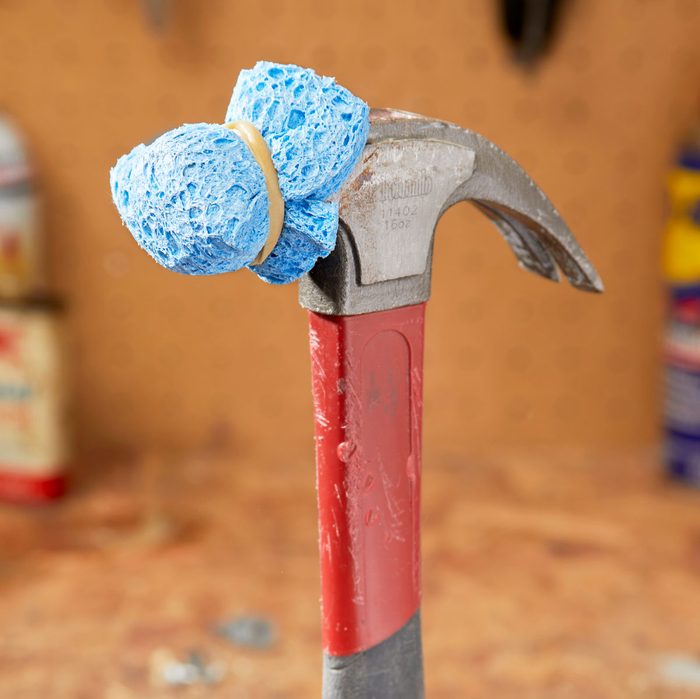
411, 171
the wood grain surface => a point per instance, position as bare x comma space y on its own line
548, 574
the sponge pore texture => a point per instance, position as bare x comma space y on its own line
194, 199
310, 230
315, 128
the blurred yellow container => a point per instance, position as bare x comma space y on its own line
681, 247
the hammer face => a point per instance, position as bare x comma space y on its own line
393, 200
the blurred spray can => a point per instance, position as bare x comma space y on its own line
33, 451
681, 266
21, 272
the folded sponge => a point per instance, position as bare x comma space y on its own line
315, 128
310, 229
196, 199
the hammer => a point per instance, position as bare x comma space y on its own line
366, 305
365, 272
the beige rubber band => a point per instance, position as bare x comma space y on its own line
258, 147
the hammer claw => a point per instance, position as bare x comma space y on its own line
532, 255
528, 221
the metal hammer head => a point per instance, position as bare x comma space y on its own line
411, 171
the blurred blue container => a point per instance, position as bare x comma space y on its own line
681, 262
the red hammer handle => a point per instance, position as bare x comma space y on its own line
367, 386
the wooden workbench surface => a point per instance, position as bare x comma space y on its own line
546, 575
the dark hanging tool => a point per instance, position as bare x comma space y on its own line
156, 13
530, 25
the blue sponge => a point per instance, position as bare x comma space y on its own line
315, 128
310, 230
196, 199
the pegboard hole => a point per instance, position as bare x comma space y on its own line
324, 9
522, 310
470, 358
471, 310
374, 57
568, 357
171, 402
424, 58
476, 57
526, 110
519, 359
575, 162
631, 59
324, 58
686, 9
116, 264
576, 111
565, 407
618, 359
579, 58
170, 355
121, 354
519, 409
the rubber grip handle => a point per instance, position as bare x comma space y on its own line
391, 670
367, 377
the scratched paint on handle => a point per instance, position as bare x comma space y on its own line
387, 490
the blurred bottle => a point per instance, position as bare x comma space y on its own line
681, 267
21, 268
33, 451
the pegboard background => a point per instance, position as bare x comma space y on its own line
511, 359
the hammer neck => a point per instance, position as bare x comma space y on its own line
333, 288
